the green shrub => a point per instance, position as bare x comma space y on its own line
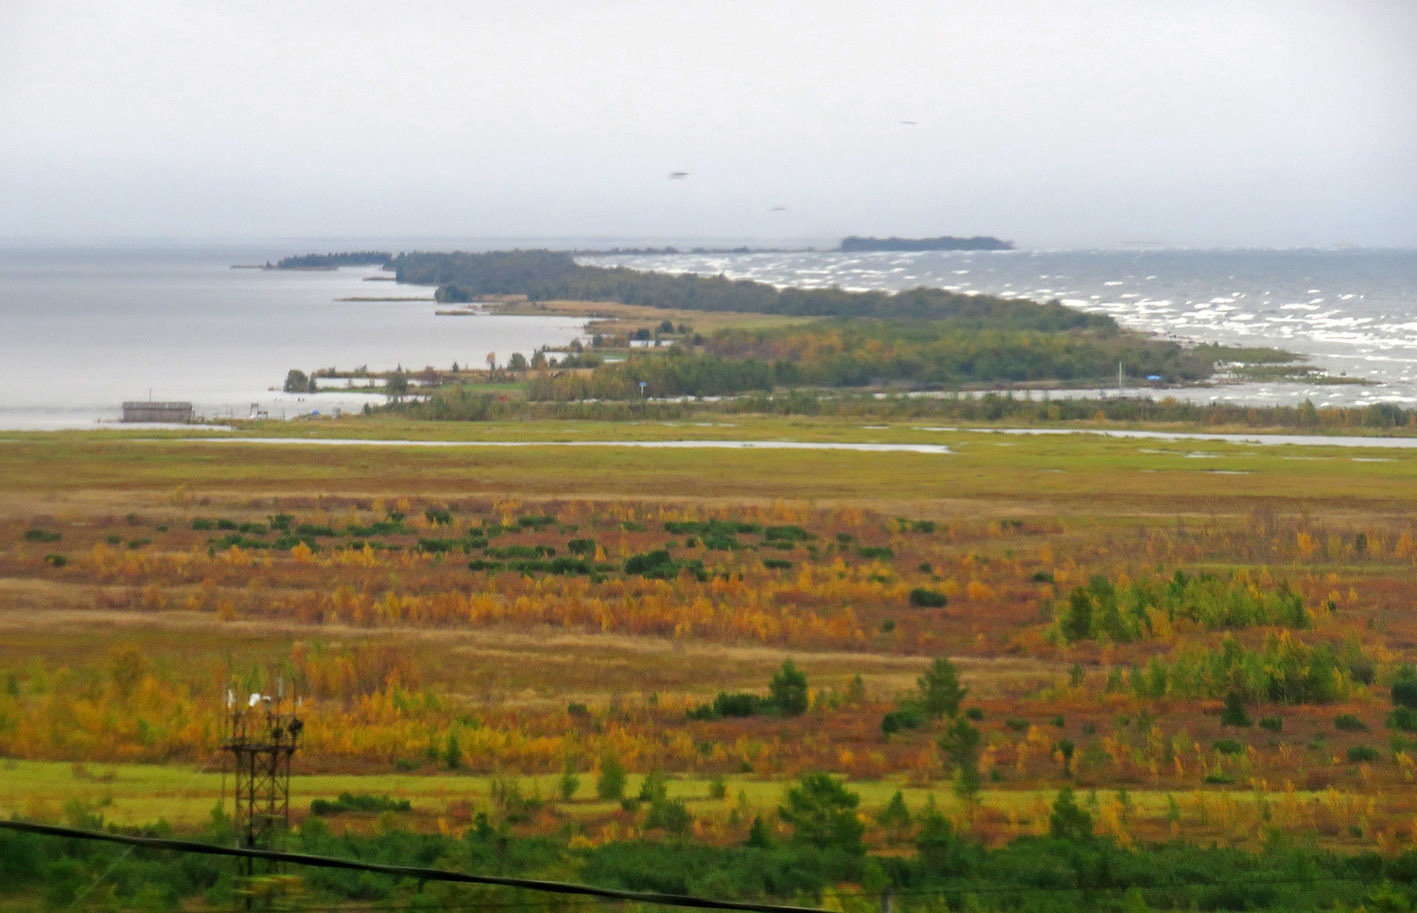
1234, 713
1404, 719
739, 704
876, 552
521, 551
1228, 746
920, 597
1404, 690
1272, 723
55, 560
1347, 722
904, 718
788, 689
359, 802
788, 533
669, 815
236, 540
42, 535
1360, 753
659, 565
610, 785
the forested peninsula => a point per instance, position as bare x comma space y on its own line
920, 337
543, 275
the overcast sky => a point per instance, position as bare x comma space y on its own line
1053, 123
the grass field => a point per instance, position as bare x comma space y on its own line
124, 607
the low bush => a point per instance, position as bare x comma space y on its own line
1347, 722
740, 704
920, 597
904, 718
359, 802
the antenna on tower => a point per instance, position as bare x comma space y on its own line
262, 737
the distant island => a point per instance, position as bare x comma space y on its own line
855, 244
671, 251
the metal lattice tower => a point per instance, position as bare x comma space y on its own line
262, 735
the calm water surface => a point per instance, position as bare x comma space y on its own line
83, 330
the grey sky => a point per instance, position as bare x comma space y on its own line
1055, 123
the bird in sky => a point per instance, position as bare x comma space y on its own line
909, 123
778, 209
676, 175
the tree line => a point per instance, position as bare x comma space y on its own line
861, 352
346, 258
551, 275
819, 859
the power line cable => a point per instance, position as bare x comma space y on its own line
403, 871
186, 789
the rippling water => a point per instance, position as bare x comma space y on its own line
83, 330
1354, 312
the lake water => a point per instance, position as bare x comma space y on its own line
1353, 312
83, 330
